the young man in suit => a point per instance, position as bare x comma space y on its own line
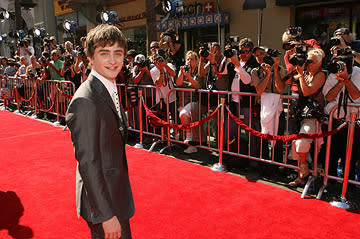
97, 123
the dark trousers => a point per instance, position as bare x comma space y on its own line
97, 231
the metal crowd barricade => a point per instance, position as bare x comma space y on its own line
350, 138
219, 140
54, 97
8, 83
134, 114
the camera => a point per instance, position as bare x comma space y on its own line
81, 52
230, 52
187, 68
343, 57
21, 43
159, 59
61, 48
336, 67
143, 63
168, 36
295, 31
205, 50
272, 53
300, 55
69, 60
334, 41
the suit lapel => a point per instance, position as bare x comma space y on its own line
104, 95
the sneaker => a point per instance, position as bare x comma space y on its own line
190, 150
188, 138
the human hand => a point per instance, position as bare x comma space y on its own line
112, 228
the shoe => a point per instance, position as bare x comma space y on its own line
304, 170
297, 182
190, 150
188, 138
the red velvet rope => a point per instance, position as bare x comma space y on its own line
65, 95
284, 138
26, 100
179, 126
51, 107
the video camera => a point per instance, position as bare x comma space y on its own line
159, 59
343, 57
44, 58
168, 36
300, 56
334, 41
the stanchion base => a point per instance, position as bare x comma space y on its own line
17, 112
57, 123
34, 116
139, 146
218, 167
341, 204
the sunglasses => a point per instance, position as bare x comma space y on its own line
244, 51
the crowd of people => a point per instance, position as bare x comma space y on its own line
320, 77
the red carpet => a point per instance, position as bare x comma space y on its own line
173, 198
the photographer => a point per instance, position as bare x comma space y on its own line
170, 41
292, 38
81, 64
342, 87
54, 66
268, 84
34, 67
69, 48
11, 68
22, 69
342, 40
240, 105
190, 110
154, 48
162, 75
3, 64
68, 71
310, 79
24, 49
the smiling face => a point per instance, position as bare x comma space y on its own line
108, 61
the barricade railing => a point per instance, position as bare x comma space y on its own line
354, 116
222, 144
132, 107
49, 96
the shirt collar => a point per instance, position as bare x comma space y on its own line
110, 86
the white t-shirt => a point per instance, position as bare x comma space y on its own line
162, 92
331, 81
242, 75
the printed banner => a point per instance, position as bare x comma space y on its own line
203, 20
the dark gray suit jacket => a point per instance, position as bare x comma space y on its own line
99, 136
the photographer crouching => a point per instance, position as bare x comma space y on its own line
342, 87
309, 79
190, 109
